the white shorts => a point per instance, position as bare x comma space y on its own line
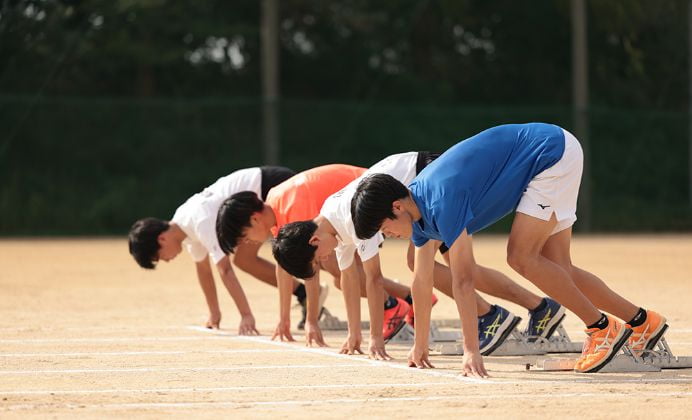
556, 189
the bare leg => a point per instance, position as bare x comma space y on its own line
246, 259
556, 249
396, 289
526, 241
498, 285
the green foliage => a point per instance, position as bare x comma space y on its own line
117, 109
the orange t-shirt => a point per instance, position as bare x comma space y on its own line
301, 196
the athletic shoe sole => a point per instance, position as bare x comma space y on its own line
656, 336
624, 335
509, 325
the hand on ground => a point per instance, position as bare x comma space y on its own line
419, 358
214, 321
352, 344
313, 335
472, 365
247, 326
283, 331
377, 350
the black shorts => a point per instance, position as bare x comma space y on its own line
443, 248
425, 159
273, 176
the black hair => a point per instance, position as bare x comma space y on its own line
372, 203
292, 249
234, 216
144, 240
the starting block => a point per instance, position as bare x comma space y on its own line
407, 333
518, 344
626, 362
329, 322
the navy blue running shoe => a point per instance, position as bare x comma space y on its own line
494, 328
544, 322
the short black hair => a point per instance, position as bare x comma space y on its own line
292, 249
234, 216
372, 203
144, 240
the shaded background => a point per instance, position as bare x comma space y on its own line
112, 110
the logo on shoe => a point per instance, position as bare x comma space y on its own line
543, 322
492, 328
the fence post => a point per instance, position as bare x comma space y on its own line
270, 81
580, 105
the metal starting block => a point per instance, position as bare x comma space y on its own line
518, 344
626, 362
329, 322
407, 334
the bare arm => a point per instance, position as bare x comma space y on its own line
421, 291
206, 282
230, 280
350, 288
464, 269
374, 285
285, 286
313, 332
233, 286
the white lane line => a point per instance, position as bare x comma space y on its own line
101, 339
142, 353
222, 389
174, 369
331, 353
372, 363
43, 330
628, 395
447, 373
331, 386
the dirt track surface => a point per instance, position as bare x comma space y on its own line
85, 332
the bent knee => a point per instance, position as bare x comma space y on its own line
520, 261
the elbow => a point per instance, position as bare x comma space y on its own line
410, 259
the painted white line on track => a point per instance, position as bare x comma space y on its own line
629, 395
589, 378
173, 369
100, 339
331, 353
222, 389
43, 330
373, 363
143, 353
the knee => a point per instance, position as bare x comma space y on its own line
519, 260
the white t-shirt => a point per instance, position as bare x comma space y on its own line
197, 216
337, 209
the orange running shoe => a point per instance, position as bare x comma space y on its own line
602, 345
645, 336
411, 317
394, 319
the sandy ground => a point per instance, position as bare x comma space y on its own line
85, 332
